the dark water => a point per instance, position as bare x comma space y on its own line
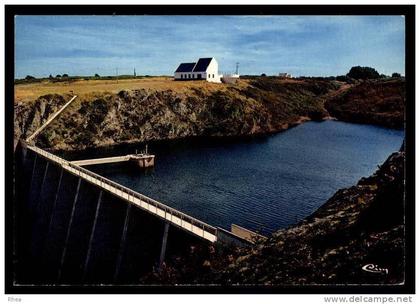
262, 184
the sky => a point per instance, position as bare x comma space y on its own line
155, 45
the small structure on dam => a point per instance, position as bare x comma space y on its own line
144, 159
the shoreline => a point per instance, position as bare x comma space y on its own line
251, 136
134, 142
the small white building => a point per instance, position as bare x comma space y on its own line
285, 75
204, 69
230, 78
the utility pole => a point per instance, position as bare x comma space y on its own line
117, 74
135, 72
237, 68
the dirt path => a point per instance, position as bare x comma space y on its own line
333, 94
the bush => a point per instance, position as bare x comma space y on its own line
29, 77
342, 78
359, 72
396, 75
345, 79
97, 75
65, 76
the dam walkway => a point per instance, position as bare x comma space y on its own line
166, 213
99, 161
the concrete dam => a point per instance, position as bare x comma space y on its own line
73, 226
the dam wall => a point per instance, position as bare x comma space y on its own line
70, 231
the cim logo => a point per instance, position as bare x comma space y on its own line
374, 269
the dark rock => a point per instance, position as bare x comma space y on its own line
380, 102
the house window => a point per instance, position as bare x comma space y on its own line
189, 75
213, 75
182, 76
193, 76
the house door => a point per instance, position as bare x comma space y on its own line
199, 76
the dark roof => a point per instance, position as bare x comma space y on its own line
185, 67
202, 64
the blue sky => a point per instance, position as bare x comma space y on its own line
155, 45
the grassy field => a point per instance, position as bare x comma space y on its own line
31, 91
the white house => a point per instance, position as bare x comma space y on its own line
203, 69
285, 75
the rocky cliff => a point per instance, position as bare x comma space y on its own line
264, 105
379, 102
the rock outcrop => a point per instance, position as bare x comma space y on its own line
264, 106
379, 102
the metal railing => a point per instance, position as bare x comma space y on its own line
49, 155
130, 195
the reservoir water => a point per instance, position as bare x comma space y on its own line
262, 184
